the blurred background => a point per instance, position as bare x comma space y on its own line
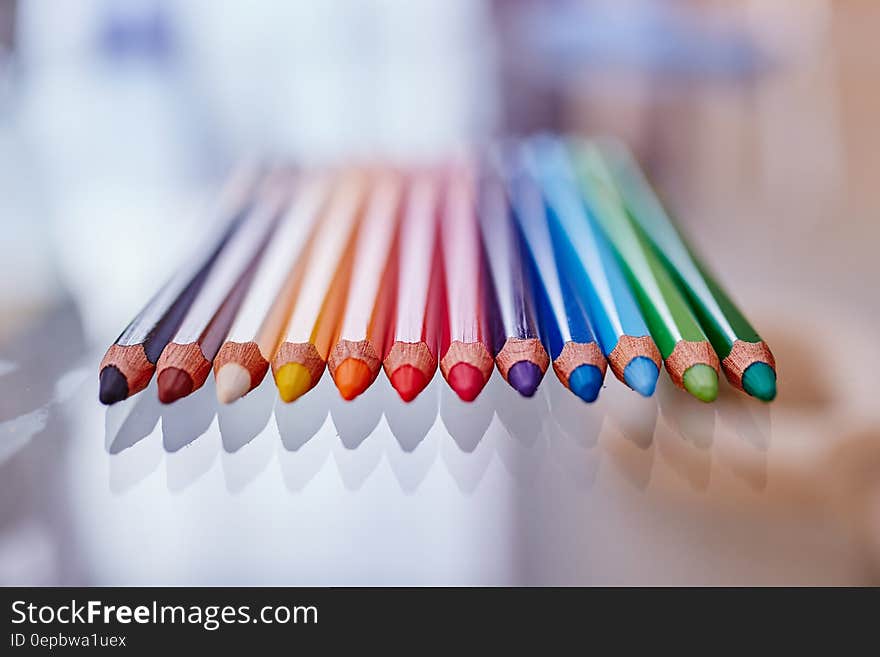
757, 121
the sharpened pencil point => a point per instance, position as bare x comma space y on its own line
702, 382
466, 380
352, 378
525, 377
233, 382
759, 380
586, 382
293, 381
173, 384
408, 381
113, 386
641, 375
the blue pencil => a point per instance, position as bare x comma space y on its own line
564, 326
585, 257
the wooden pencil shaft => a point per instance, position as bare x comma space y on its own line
462, 261
261, 317
583, 252
561, 316
665, 310
327, 254
723, 322
529, 211
218, 328
418, 236
231, 265
165, 310
373, 249
513, 292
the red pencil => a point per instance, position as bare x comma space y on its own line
466, 361
420, 303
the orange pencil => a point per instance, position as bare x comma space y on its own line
367, 319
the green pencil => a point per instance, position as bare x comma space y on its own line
745, 357
690, 360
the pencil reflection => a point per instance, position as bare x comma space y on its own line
186, 420
299, 421
467, 422
411, 422
130, 421
184, 467
244, 465
301, 459
685, 436
243, 420
355, 420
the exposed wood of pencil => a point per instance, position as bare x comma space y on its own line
518, 350
573, 356
259, 323
668, 315
583, 253
628, 348
744, 354
364, 330
194, 346
419, 304
735, 340
137, 349
314, 320
469, 341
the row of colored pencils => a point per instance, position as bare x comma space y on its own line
536, 253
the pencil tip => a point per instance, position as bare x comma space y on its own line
408, 381
641, 374
525, 377
233, 382
173, 383
466, 380
293, 381
352, 377
702, 382
586, 382
759, 380
113, 387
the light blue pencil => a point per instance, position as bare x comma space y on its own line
585, 257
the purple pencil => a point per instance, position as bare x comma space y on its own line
521, 358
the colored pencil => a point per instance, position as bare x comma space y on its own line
521, 359
746, 359
244, 358
420, 304
299, 362
466, 351
130, 362
186, 361
565, 327
690, 360
585, 256
364, 333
